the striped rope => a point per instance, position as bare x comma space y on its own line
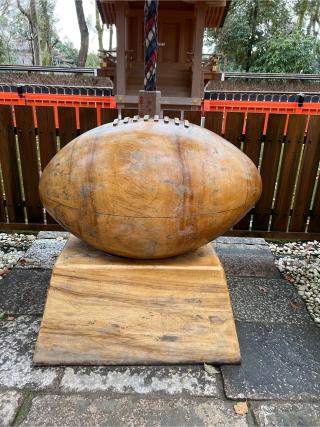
151, 44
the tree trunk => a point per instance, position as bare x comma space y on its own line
32, 17
4, 6
84, 34
314, 19
99, 29
35, 32
32, 48
254, 14
302, 6
46, 33
110, 36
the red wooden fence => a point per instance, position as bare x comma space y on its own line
285, 147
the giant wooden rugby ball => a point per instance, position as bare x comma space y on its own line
149, 189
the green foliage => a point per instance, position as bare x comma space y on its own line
92, 60
47, 31
2, 50
288, 53
308, 13
16, 38
66, 53
269, 36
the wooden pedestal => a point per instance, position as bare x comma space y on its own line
106, 310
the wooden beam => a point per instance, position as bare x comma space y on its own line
273, 234
15, 226
106, 310
197, 78
121, 40
165, 100
217, 3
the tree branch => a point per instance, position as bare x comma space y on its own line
23, 11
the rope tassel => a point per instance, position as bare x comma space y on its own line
150, 44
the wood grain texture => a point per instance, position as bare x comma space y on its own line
252, 146
314, 225
213, 121
193, 117
108, 115
269, 168
9, 166
129, 112
291, 154
47, 140
172, 113
307, 176
47, 134
234, 128
103, 309
29, 162
67, 125
88, 119
149, 189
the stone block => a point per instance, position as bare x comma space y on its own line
42, 254
287, 414
17, 340
241, 260
9, 404
256, 299
241, 240
145, 380
131, 411
23, 291
278, 361
53, 235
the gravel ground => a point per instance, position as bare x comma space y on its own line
12, 248
299, 262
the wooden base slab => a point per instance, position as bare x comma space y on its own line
106, 310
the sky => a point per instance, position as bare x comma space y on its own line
68, 25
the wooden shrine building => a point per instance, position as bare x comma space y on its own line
180, 70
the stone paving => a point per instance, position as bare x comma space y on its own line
279, 376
